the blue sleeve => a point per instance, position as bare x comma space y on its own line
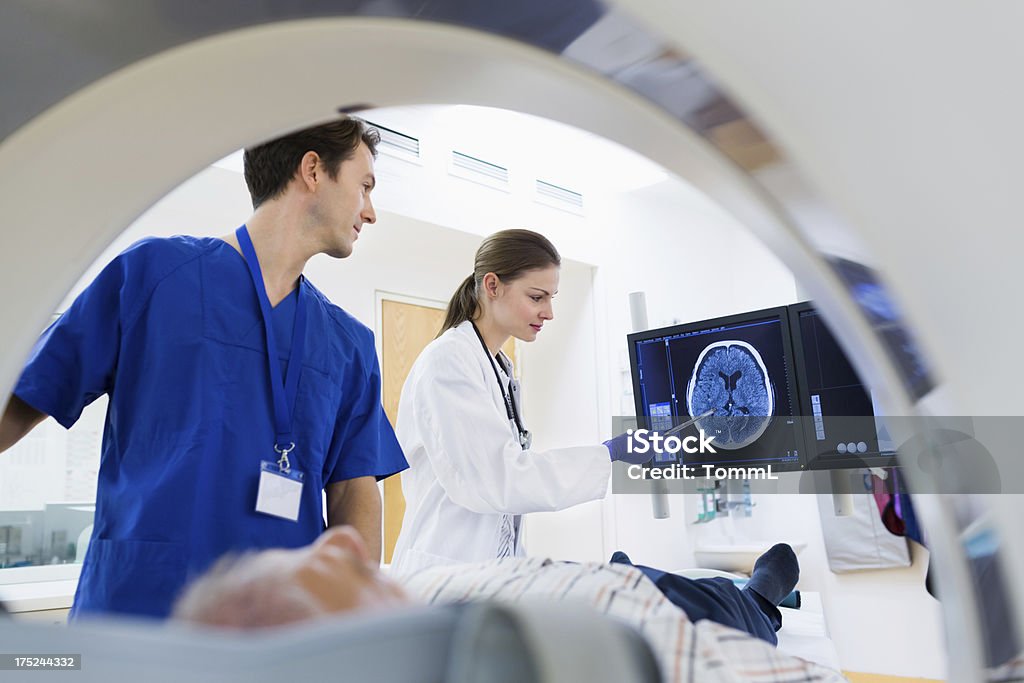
75, 360
364, 441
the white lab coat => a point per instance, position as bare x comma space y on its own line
467, 471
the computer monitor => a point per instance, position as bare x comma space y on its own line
842, 428
740, 370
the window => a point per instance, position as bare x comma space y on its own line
48, 492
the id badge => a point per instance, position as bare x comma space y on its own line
279, 492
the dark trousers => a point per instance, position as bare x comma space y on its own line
716, 599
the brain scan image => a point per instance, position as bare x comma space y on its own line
731, 379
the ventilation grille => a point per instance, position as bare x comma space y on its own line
472, 168
559, 194
559, 197
397, 144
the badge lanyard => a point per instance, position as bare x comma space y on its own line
525, 438
284, 392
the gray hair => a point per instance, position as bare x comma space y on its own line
242, 591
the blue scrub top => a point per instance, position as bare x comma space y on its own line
171, 330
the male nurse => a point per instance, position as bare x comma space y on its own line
238, 392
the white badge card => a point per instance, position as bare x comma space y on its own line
280, 491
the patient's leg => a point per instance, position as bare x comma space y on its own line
753, 609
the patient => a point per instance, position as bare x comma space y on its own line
334, 575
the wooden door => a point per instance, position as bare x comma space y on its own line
405, 330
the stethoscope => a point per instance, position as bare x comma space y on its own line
525, 438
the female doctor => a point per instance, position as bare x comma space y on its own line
473, 473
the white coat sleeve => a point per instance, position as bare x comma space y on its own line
478, 460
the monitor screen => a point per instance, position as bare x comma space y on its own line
736, 375
841, 427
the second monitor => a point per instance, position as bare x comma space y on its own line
842, 425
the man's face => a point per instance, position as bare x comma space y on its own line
343, 205
285, 586
337, 574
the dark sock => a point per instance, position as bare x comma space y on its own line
619, 557
775, 574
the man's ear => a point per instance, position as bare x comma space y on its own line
310, 170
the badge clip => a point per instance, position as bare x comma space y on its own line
283, 463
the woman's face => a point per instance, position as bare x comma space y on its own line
522, 306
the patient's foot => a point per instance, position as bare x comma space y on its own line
619, 557
775, 573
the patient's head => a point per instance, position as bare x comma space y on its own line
276, 587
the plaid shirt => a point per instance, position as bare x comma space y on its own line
705, 651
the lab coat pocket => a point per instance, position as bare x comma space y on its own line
129, 576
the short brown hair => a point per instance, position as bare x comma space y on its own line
270, 166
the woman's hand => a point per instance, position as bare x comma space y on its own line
618, 449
